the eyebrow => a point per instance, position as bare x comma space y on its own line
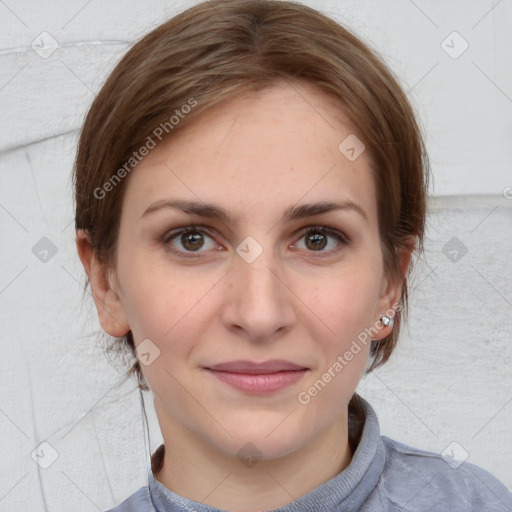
216, 212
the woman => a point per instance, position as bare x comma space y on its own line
250, 186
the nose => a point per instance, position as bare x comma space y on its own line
259, 302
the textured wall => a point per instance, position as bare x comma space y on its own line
450, 379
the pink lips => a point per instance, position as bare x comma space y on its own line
252, 377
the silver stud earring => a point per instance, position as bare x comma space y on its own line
386, 320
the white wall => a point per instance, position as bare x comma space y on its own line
450, 379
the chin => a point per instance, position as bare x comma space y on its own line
263, 439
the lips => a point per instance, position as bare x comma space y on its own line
258, 378
253, 368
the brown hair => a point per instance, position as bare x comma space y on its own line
222, 48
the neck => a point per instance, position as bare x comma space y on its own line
197, 471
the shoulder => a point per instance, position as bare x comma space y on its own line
421, 480
139, 501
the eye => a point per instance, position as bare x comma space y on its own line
316, 239
189, 240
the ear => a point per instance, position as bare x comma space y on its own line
391, 289
108, 302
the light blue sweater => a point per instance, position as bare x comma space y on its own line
384, 475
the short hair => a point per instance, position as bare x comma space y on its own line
220, 49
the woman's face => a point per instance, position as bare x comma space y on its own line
269, 280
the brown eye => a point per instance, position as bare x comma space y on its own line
318, 238
192, 241
189, 240
316, 241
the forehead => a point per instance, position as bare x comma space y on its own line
258, 153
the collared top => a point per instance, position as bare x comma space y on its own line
383, 475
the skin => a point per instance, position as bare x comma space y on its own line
255, 156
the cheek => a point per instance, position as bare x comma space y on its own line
167, 306
347, 307
345, 303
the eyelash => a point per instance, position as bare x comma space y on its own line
325, 230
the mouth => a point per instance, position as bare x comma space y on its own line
259, 378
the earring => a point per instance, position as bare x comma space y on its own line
386, 320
